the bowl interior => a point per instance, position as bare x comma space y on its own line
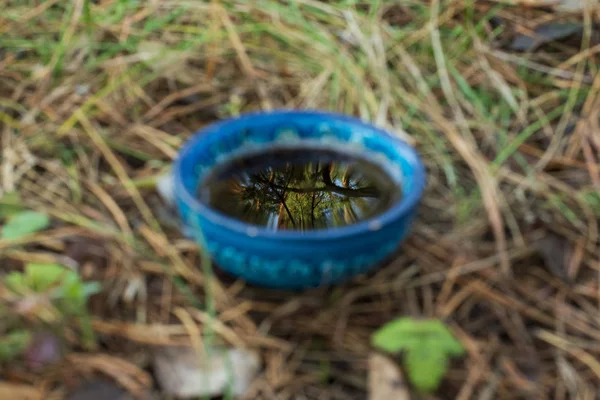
254, 133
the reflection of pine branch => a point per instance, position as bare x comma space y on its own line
330, 187
282, 201
281, 196
367, 191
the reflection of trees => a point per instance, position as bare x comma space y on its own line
301, 197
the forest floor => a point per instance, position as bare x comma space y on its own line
501, 100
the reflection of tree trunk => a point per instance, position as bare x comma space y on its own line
282, 202
289, 213
312, 211
326, 174
281, 217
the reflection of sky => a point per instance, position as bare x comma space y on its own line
272, 222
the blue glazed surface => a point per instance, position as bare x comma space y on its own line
296, 260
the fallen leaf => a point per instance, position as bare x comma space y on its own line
386, 381
185, 374
165, 187
83, 249
562, 5
544, 34
170, 63
574, 5
99, 390
556, 253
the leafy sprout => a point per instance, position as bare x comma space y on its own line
427, 346
64, 287
13, 343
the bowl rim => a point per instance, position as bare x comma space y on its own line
398, 211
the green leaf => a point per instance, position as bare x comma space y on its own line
41, 277
10, 204
426, 367
73, 297
427, 344
396, 335
407, 333
70, 294
23, 224
13, 344
74, 294
91, 288
15, 281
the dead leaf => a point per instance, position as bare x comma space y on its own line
184, 373
545, 33
556, 252
386, 381
165, 186
82, 250
171, 63
99, 390
574, 5
562, 5
20, 392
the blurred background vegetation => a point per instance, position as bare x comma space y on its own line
502, 99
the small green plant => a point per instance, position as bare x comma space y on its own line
18, 221
24, 223
427, 346
233, 107
14, 343
66, 293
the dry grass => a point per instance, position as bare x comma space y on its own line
96, 98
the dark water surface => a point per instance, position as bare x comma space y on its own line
299, 189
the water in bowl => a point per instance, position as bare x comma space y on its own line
299, 189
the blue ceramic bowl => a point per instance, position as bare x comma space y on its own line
293, 259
